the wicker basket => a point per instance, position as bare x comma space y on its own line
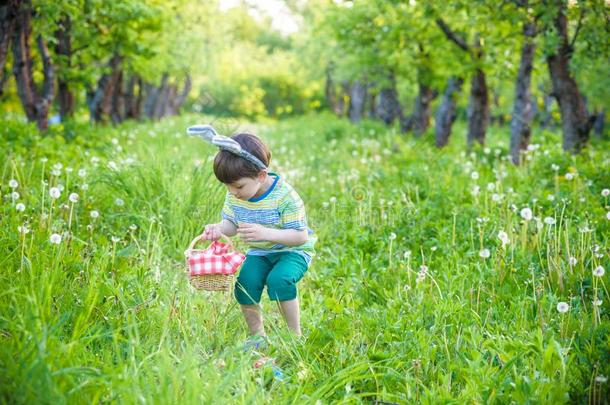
209, 282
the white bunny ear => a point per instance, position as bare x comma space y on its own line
207, 132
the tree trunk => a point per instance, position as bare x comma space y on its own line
545, 116
101, 100
520, 129
420, 120
574, 117
181, 98
8, 12
478, 108
133, 97
117, 103
598, 124
36, 104
357, 98
446, 113
329, 91
63, 48
370, 103
388, 107
161, 98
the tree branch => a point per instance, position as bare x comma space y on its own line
578, 26
452, 36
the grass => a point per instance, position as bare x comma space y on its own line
400, 305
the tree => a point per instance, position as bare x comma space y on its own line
36, 103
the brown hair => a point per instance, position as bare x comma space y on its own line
229, 167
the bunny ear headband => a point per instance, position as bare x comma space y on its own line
209, 134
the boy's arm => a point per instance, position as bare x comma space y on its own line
227, 227
287, 237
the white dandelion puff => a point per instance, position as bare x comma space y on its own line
606, 192
55, 238
503, 236
569, 176
15, 195
54, 192
392, 236
73, 197
23, 229
601, 379
119, 202
12, 183
599, 271
597, 302
572, 261
20, 207
563, 307
549, 220
94, 214
484, 253
554, 167
474, 175
82, 173
526, 214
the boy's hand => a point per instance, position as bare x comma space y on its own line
212, 232
252, 232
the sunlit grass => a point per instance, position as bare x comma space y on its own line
440, 275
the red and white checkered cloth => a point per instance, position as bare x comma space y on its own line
216, 259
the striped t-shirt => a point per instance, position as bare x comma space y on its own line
280, 207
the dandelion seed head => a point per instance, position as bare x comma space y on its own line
554, 167
550, 197
423, 268
484, 253
601, 379
392, 236
55, 238
94, 214
597, 302
572, 261
563, 307
333, 200
569, 176
54, 193
15, 195
526, 214
12, 183
20, 207
119, 202
605, 192
599, 271
474, 175
407, 254
73, 197
549, 220
23, 229
82, 173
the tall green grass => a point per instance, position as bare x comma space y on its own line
413, 296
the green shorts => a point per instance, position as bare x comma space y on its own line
280, 272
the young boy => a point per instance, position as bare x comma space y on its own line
268, 214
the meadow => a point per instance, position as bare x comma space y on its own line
441, 276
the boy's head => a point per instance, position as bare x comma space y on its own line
242, 177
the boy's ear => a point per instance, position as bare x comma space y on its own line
262, 175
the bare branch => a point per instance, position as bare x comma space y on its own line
578, 25
452, 36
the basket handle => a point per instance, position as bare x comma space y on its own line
200, 237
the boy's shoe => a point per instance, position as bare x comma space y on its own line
256, 342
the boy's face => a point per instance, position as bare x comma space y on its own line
247, 187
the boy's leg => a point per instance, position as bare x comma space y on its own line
292, 314
254, 319
248, 290
288, 269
